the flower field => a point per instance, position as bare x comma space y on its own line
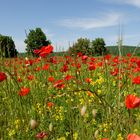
70, 98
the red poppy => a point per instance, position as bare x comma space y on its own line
79, 54
68, 77
53, 60
132, 101
50, 79
30, 77
59, 84
136, 80
78, 65
29, 62
44, 50
64, 68
24, 91
19, 79
41, 135
50, 104
46, 67
115, 72
37, 51
133, 137
37, 69
107, 57
105, 139
138, 63
2, 76
129, 54
116, 59
84, 57
88, 80
92, 66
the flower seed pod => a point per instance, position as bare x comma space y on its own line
83, 110
33, 124
50, 127
94, 112
96, 134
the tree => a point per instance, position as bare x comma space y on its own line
7, 47
35, 40
82, 45
98, 46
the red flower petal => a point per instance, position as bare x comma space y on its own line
132, 101
133, 137
2, 76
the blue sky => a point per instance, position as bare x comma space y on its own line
64, 21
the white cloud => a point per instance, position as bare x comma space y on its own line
105, 20
135, 3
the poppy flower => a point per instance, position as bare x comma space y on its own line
129, 54
115, 72
136, 80
68, 77
105, 139
50, 79
53, 60
30, 77
41, 135
132, 101
64, 68
44, 50
2, 76
79, 54
24, 91
133, 137
92, 66
138, 63
78, 66
59, 84
107, 57
37, 51
84, 57
46, 67
50, 104
88, 80
19, 79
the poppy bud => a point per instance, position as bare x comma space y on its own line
94, 112
83, 110
33, 124
50, 127
96, 134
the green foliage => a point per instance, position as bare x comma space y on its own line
98, 46
82, 45
35, 40
7, 47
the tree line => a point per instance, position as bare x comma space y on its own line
36, 39
85, 46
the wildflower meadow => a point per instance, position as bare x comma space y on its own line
70, 97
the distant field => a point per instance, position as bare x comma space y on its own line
124, 50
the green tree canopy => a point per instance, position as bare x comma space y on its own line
7, 47
35, 40
98, 46
81, 45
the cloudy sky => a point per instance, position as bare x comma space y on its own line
64, 21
